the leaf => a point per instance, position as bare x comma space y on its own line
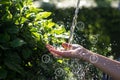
7, 15
13, 57
3, 73
20, 20
4, 37
23, 19
12, 61
13, 29
14, 66
34, 29
42, 15
50, 24
4, 1
3, 47
36, 10
26, 53
45, 14
37, 35
31, 16
17, 42
60, 61
59, 30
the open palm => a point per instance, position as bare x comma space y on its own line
70, 50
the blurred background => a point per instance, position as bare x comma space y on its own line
83, 3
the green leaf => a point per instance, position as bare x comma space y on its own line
31, 16
3, 47
13, 29
23, 19
36, 35
45, 14
17, 42
12, 61
34, 29
36, 10
60, 61
42, 15
3, 73
14, 66
50, 24
4, 37
59, 30
26, 53
4, 1
13, 57
7, 16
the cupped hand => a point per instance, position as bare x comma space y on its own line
70, 50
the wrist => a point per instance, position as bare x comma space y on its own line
90, 57
85, 55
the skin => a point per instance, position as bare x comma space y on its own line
109, 66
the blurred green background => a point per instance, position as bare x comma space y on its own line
26, 29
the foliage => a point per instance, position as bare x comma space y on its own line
24, 31
103, 3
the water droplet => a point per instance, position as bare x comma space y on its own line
104, 64
93, 58
72, 79
109, 48
45, 58
83, 54
103, 44
94, 39
59, 72
80, 26
60, 23
75, 71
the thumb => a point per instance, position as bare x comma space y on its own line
70, 46
66, 45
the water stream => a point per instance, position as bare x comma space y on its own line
74, 23
76, 68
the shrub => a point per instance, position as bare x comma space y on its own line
24, 32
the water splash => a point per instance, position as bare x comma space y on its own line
80, 26
94, 39
77, 67
74, 23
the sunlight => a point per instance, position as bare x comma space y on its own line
46, 0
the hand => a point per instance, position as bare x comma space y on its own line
71, 50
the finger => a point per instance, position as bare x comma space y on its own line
49, 46
55, 55
61, 53
70, 46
